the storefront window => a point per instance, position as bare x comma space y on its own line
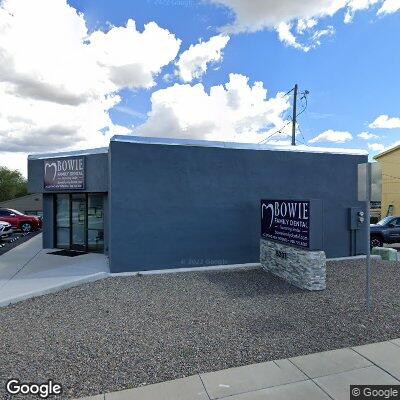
95, 222
63, 221
78, 225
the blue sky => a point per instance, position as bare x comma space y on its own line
352, 77
351, 72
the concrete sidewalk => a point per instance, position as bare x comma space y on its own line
320, 376
28, 271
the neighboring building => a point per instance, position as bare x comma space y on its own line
153, 203
31, 204
389, 162
376, 193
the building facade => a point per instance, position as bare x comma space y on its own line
152, 203
31, 204
389, 162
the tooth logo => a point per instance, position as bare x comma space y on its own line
264, 209
51, 167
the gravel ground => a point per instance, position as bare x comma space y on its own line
120, 333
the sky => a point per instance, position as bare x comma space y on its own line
74, 73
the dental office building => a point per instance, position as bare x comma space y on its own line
154, 203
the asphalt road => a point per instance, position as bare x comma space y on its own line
15, 240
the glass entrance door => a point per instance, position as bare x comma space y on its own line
78, 222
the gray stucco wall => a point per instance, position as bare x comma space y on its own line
184, 206
96, 174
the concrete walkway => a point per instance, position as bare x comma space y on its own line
320, 376
28, 271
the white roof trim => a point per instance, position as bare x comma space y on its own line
234, 145
387, 151
40, 156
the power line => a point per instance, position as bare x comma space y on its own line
303, 97
278, 131
391, 162
295, 114
284, 126
293, 117
290, 91
391, 176
301, 132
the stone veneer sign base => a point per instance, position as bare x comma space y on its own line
302, 268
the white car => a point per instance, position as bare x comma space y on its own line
5, 229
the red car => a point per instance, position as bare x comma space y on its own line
21, 221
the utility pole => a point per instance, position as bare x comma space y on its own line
368, 256
294, 115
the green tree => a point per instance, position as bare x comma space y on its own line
12, 184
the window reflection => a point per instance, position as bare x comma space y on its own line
62, 221
95, 222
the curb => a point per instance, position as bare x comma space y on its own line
194, 269
66, 285
350, 258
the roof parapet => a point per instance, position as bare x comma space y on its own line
233, 145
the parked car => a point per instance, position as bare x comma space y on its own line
387, 230
5, 229
21, 221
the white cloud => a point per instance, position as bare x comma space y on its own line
317, 35
367, 136
376, 146
287, 37
133, 58
391, 146
305, 24
357, 5
236, 111
255, 15
389, 7
193, 62
385, 122
59, 82
332, 136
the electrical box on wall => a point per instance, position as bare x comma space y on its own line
356, 218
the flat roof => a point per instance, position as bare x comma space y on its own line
39, 156
21, 197
201, 143
387, 151
233, 145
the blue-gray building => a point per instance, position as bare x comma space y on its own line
153, 203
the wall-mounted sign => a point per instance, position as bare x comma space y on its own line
286, 221
64, 173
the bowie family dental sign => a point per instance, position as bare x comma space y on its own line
286, 221
64, 173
